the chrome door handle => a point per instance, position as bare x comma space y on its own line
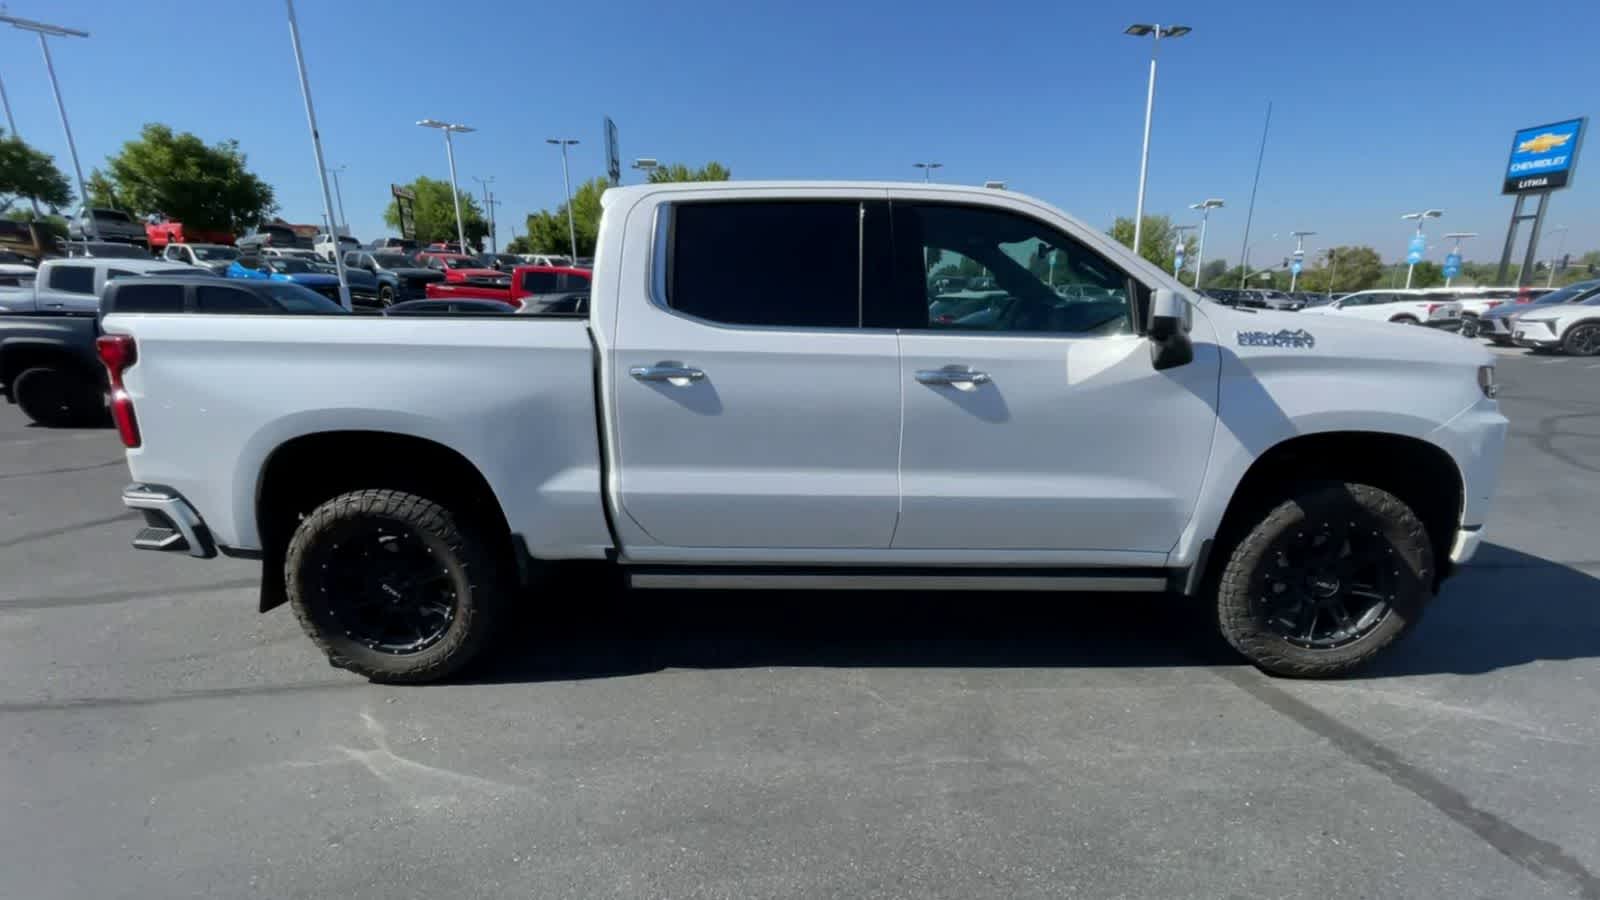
952, 376
666, 372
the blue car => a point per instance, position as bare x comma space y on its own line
315, 276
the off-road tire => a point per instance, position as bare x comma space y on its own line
57, 398
476, 574
1240, 608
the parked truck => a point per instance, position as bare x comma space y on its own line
717, 422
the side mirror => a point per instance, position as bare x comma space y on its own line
1170, 320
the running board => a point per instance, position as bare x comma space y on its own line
1104, 580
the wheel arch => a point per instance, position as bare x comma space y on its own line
307, 470
1420, 473
20, 354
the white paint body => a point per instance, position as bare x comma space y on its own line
1548, 327
804, 446
1393, 306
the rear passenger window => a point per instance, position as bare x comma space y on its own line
152, 298
539, 282
72, 279
787, 264
571, 282
212, 299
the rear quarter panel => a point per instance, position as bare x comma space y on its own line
216, 395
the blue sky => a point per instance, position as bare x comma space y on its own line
1379, 108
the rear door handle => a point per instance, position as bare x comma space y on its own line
953, 376
670, 372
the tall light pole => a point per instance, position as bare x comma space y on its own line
1205, 207
1418, 243
1158, 32
1177, 250
1244, 266
1455, 250
494, 238
1299, 254
566, 178
316, 151
339, 195
1560, 249
450, 128
11, 125
487, 209
43, 31
1333, 270
927, 169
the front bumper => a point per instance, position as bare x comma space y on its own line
1466, 545
1534, 334
171, 524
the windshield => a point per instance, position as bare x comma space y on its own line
393, 260
111, 215
216, 253
461, 262
292, 266
1569, 293
297, 299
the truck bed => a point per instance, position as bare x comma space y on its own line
216, 395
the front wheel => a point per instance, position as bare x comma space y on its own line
385, 296
1325, 581
1583, 339
1469, 326
393, 586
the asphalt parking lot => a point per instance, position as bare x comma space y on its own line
162, 739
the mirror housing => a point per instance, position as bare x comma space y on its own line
1171, 317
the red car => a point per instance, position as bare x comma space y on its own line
163, 233
524, 282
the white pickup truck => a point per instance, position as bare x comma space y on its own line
729, 414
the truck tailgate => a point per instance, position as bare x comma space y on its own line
216, 395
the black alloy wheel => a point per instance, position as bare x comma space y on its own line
1328, 584
1583, 339
385, 587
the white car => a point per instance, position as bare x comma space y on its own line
546, 259
1437, 309
1573, 328
324, 247
309, 256
711, 421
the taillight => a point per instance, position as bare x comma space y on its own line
118, 352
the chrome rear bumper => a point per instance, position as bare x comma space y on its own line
171, 524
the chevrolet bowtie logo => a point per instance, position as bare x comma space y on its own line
1544, 143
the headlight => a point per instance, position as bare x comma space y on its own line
1486, 382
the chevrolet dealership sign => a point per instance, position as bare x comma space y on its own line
1542, 158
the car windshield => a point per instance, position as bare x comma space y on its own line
393, 260
292, 266
111, 215
461, 262
217, 254
296, 299
1569, 293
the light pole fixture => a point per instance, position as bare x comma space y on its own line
1561, 248
927, 169
1299, 254
646, 165
488, 210
1417, 243
450, 128
1157, 32
316, 153
1458, 237
1177, 250
1205, 207
566, 178
995, 185
43, 31
339, 196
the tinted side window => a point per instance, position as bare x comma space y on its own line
1015, 274
540, 282
571, 282
216, 299
72, 279
114, 274
790, 264
136, 297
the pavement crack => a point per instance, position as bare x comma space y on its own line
65, 470
69, 704
67, 529
1546, 860
123, 596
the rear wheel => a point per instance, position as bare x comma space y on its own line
385, 296
1325, 581
1469, 326
393, 586
1583, 339
57, 397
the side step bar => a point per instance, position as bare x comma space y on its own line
851, 579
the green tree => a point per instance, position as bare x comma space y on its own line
519, 244
1352, 269
1427, 274
1156, 241
711, 171
547, 229
180, 176
435, 214
1212, 271
29, 173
